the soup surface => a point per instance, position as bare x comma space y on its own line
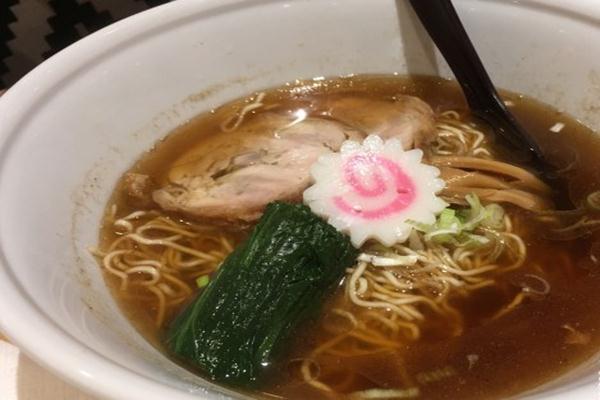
497, 332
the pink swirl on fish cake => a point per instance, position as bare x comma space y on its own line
404, 187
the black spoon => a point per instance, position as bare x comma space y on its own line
443, 25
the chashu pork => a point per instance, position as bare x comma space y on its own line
408, 118
232, 176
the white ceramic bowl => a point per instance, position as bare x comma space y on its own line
74, 124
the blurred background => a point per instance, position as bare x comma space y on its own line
33, 30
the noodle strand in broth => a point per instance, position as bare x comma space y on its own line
160, 256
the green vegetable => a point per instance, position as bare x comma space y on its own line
202, 281
264, 289
494, 216
457, 226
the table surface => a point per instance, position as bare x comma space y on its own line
36, 383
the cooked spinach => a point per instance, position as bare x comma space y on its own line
246, 315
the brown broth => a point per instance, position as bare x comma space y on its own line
491, 358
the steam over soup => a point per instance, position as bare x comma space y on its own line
427, 261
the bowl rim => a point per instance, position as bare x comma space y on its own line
81, 365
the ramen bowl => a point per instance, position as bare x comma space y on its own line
73, 125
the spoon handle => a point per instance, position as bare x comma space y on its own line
443, 25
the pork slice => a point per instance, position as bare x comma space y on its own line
233, 176
408, 118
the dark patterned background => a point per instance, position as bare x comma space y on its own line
33, 30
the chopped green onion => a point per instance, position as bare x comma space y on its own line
457, 226
442, 235
202, 281
448, 219
475, 240
473, 215
494, 216
421, 227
